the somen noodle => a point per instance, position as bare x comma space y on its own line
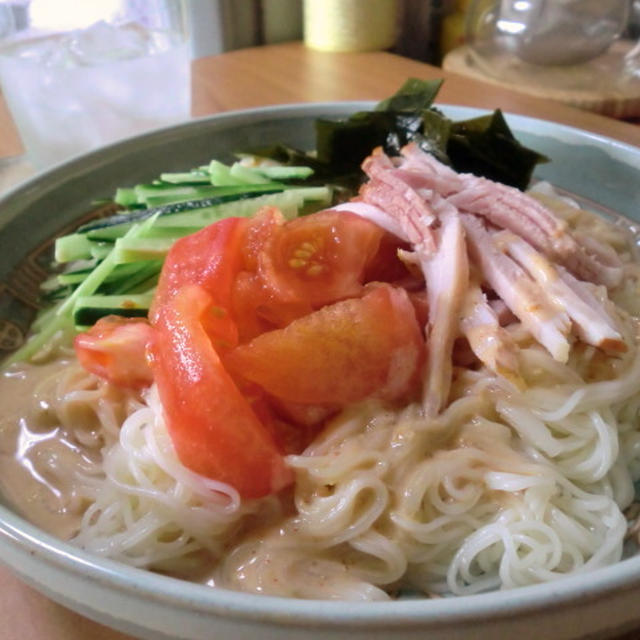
514, 480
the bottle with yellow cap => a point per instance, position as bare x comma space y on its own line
350, 25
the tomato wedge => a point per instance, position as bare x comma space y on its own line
260, 228
213, 427
115, 349
210, 258
340, 354
318, 259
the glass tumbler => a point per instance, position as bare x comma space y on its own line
77, 75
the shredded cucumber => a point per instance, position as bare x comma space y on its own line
112, 264
62, 318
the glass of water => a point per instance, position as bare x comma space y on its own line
77, 75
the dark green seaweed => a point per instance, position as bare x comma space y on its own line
483, 146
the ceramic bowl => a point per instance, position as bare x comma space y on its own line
141, 603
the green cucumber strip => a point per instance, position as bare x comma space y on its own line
75, 246
62, 319
192, 177
44, 316
199, 213
172, 232
247, 174
100, 250
220, 174
120, 274
55, 323
52, 283
156, 195
161, 200
314, 194
225, 194
125, 197
111, 234
128, 250
281, 172
89, 309
144, 278
172, 193
72, 277
287, 201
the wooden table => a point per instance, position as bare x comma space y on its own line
274, 75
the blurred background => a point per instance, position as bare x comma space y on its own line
581, 52
422, 29
223, 25
585, 53
426, 29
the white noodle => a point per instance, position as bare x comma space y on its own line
503, 489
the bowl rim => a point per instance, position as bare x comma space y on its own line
18, 534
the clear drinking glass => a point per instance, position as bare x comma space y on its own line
77, 74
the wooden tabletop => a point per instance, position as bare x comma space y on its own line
275, 75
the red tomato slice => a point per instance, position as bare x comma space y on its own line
210, 258
385, 266
420, 302
212, 426
261, 227
290, 436
257, 310
318, 259
115, 349
343, 353
246, 297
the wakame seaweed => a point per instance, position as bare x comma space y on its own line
483, 146
486, 146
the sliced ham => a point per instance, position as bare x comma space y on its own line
491, 344
541, 273
528, 301
584, 290
482, 198
389, 192
509, 208
425, 171
447, 274
592, 324
598, 262
414, 220
375, 215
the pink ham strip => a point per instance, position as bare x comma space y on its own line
375, 215
478, 195
491, 344
387, 191
407, 201
598, 262
522, 295
442, 256
412, 220
447, 273
584, 290
591, 322
481, 199
511, 209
